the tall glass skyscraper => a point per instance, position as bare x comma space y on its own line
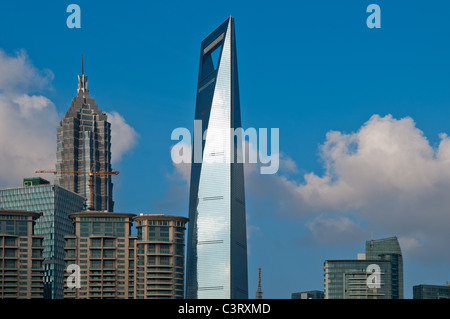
54, 203
217, 243
84, 139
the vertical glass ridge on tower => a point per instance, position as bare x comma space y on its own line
217, 243
84, 139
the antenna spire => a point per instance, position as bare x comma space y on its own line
82, 81
259, 293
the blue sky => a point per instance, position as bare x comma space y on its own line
307, 68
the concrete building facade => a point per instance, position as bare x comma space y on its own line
21, 256
103, 248
160, 258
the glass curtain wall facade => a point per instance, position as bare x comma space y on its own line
83, 140
54, 203
217, 244
431, 291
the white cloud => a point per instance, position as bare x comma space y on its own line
19, 74
387, 172
27, 137
335, 231
123, 136
27, 121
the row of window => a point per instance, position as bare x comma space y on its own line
105, 229
14, 227
12, 242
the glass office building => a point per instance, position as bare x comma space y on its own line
217, 243
431, 291
313, 294
83, 140
348, 279
54, 203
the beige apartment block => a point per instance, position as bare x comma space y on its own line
115, 265
21, 272
160, 256
103, 248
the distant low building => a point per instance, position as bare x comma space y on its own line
313, 294
431, 291
377, 274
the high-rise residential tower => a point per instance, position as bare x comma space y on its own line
83, 143
103, 248
21, 273
159, 256
217, 244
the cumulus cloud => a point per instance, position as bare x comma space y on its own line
387, 172
20, 75
28, 121
123, 136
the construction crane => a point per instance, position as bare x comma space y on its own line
91, 179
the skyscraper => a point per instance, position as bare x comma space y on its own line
217, 243
83, 142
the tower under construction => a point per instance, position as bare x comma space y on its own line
84, 145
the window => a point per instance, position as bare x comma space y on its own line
108, 253
96, 242
151, 248
36, 264
164, 249
10, 242
9, 264
96, 253
108, 242
164, 260
10, 252
158, 233
151, 260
